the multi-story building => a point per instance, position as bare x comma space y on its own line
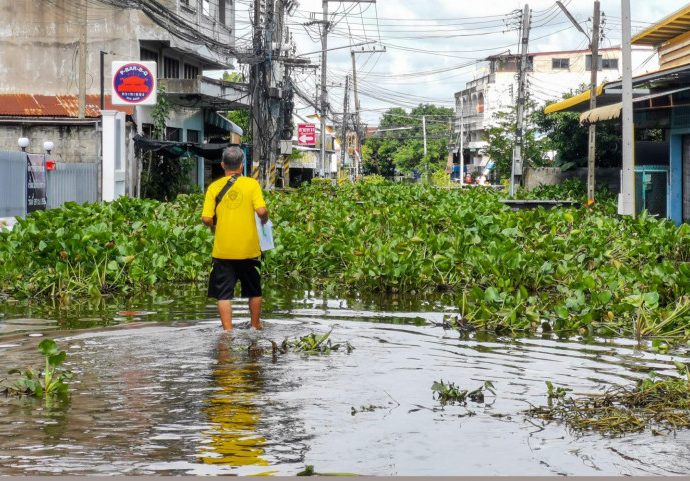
550, 75
39, 70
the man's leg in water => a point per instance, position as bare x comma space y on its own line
225, 311
255, 311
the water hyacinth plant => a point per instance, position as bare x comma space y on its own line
582, 270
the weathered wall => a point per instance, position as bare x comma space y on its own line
73, 143
39, 45
534, 177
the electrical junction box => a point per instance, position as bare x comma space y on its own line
285, 147
275, 92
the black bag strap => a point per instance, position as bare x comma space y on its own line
222, 193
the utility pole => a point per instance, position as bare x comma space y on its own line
343, 141
516, 168
591, 153
594, 47
82, 59
426, 163
358, 122
324, 88
462, 140
626, 203
255, 83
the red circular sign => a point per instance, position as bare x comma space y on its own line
133, 83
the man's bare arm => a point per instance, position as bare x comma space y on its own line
209, 222
262, 212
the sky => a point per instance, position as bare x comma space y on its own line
434, 46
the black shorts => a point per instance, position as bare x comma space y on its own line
226, 273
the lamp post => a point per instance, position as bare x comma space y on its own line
23, 143
48, 146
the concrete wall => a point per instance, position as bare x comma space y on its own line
39, 43
534, 177
73, 143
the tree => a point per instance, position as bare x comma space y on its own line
569, 139
501, 140
403, 149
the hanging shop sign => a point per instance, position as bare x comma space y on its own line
134, 83
306, 135
36, 184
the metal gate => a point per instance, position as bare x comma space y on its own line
72, 183
12, 184
68, 182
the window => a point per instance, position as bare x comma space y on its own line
206, 7
148, 55
221, 12
171, 68
560, 63
190, 4
173, 133
606, 63
609, 63
193, 136
191, 71
147, 130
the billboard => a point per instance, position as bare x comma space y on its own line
134, 83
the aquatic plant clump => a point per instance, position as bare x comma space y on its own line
659, 404
587, 269
52, 380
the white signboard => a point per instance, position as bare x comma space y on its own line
134, 83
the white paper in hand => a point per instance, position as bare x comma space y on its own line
265, 234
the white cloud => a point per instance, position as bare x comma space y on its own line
412, 24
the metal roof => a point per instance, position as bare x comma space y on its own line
31, 105
666, 29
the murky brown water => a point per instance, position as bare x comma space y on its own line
165, 392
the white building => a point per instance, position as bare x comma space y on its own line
550, 75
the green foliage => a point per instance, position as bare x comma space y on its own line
51, 381
160, 113
569, 139
441, 178
314, 344
553, 392
403, 150
452, 394
501, 140
554, 270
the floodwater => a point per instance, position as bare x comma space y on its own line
159, 389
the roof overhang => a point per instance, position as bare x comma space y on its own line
666, 29
206, 93
613, 111
610, 93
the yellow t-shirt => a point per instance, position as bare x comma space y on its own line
236, 236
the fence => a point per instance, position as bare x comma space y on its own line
72, 183
67, 182
12, 184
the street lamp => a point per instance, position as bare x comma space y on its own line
48, 146
23, 143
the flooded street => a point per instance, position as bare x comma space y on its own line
164, 391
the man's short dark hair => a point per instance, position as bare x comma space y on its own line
232, 158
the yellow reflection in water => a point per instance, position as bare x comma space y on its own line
233, 411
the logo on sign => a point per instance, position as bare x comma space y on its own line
133, 83
306, 134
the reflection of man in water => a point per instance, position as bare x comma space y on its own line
233, 412
236, 250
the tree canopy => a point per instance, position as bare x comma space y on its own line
403, 150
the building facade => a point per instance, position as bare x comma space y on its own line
550, 75
39, 56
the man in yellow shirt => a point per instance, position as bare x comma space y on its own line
236, 252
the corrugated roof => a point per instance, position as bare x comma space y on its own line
670, 27
31, 105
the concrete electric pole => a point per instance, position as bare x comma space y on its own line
516, 168
358, 121
594, 47
626, 202
82, 58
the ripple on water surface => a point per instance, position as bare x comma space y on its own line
183, 398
